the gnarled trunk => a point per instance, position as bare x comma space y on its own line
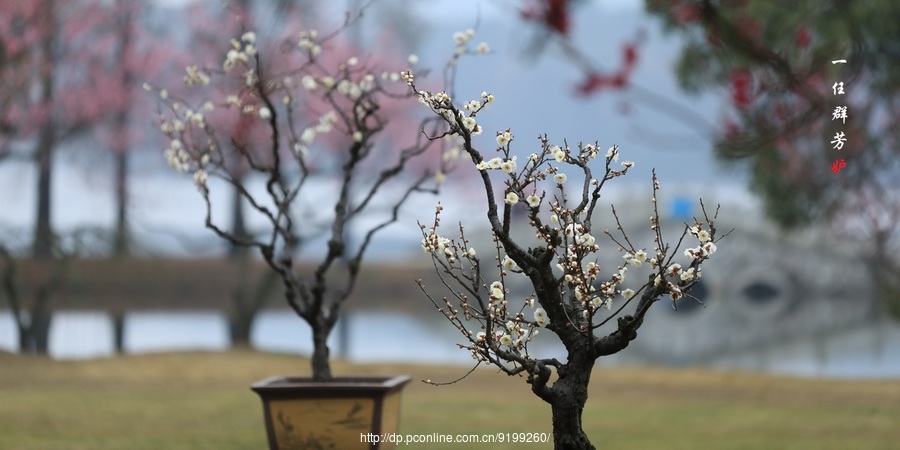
567, 405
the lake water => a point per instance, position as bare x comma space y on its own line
866, 352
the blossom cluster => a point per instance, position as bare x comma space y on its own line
241, 51
310, 91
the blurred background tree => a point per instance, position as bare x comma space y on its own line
70, 72
775, 62
772, 62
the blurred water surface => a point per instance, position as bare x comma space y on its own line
375, 336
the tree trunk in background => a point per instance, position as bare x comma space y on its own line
238, 226
243, 310
122, 142
118, 319
43, 231
39, 332
249, 298
121, 238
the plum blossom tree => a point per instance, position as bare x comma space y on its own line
573, 296
276, 23
331, 158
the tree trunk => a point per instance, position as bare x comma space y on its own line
121, 238
248, 298
122, 143
34, 336
239, 328
569, 396
321, 367
40, 332
118, 319
238, 226
43, 230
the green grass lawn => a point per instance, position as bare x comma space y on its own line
203, 401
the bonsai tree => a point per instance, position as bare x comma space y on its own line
573, 295
309, 120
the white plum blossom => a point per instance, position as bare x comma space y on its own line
585, 240
560, 178
506, 340
687, 275
200, 178
503, 138
540, 317
613, 153
469, 123
558, 154
533, 200
703, 235
308, 135
461, 38
496, 294
509, 166
495, 163
483, 48
674, 291
673, 270
628, 293
635, 259
640, 255
509, 264
434, 243
512, 198
309, 82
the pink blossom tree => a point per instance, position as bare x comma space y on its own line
70, 68
65, 72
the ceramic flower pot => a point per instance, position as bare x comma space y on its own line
341, 414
